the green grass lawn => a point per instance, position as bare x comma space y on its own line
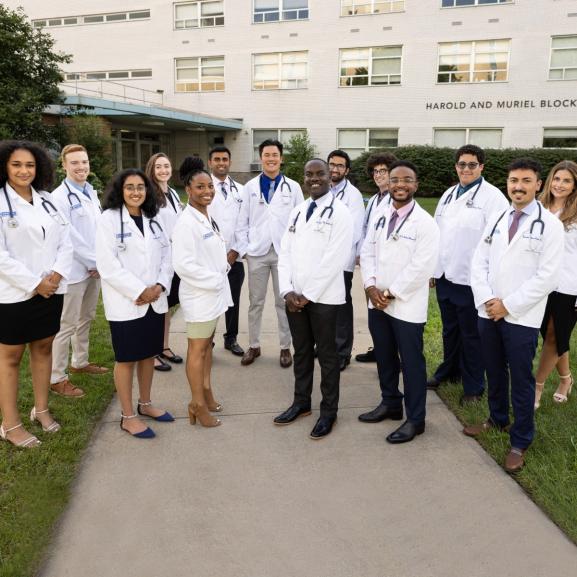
35, 485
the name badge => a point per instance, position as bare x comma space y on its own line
76, 206
407, 237
3, 214
125, 235
207, 235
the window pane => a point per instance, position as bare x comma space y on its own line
387, 51
352, 138
113, 75
564, 58
187, 74
565, 42
115, 17
212, 8
392, 66
485, 138
93, 19
291, 4
96, 76
142, 14
383, 138
186, 11
141, 73
69, 21
450, 138
286, 135
55, 22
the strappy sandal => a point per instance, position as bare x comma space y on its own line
54, 427
166, 417
560, 397
172, 358
148, 433
28, 443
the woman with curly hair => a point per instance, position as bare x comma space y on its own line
35, 260
133, 259
199, 257
159, 171
560, 197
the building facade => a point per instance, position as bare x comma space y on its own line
354, 74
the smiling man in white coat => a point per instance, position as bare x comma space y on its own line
314, 252
462, 213
267, 201
78, 201
397, 259
514, 269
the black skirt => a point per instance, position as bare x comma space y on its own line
138, 339
173, 295
31, 320
561, 308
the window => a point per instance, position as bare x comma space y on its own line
457, 3
93, 19
108, 75
563, 58
275, 10
483, 61
457, 137
282, 134
199, 74
377, 66
279, 70
560, 138
355, 141
358, 7
198, 14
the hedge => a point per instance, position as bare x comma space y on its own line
437, 165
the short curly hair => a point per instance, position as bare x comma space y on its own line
44, 166
114, 195
386, 158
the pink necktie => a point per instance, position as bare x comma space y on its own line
514, 224
392, 222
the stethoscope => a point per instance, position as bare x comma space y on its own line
341, 193
470, 201
321, 221
536, 222
371, 205
175, 200
155, 229
285, 197
74, 201
395, 234
50, 209
236, 193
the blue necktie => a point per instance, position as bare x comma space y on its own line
223, 188
86, 193
460, 191
311, 209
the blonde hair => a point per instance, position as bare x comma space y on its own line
149, 171
569, 213
71, 148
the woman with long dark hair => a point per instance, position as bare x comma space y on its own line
35, 260
560, 197
133, 259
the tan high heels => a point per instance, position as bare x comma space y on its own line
201, 413
538, 392
560, 397
213, 405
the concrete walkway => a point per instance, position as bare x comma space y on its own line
248, 499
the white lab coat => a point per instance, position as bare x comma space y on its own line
373, 212
352, 198
568, 272
126, 273
32, 250
462, 226
403, 266
168, 215
199, 258
225, 211
521, 273
312, 258
82, 213
263, 224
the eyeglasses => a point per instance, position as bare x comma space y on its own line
333, 166
379, 171
138, 187
407, 180
469, 165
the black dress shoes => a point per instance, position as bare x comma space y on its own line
381, 413
368, 357
323, 427
406, 432
344, 362
433, 384
291, 415
234, 348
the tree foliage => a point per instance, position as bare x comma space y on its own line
29, 77
437, 165
297, 153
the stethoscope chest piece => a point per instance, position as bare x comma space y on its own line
12, 223
121, 246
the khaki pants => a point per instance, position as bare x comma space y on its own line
77, 315
259, 270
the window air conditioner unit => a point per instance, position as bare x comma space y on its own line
255, 167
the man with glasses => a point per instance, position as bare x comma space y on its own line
343, 190
462, 214
397, 260
377, 168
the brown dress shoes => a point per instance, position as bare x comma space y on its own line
249, 357
515, 460
286, 359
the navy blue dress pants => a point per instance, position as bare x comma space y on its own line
235, 279
462, 356
345, 321
508, 352
399, 343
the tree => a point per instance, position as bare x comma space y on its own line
29, 77
297, 153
